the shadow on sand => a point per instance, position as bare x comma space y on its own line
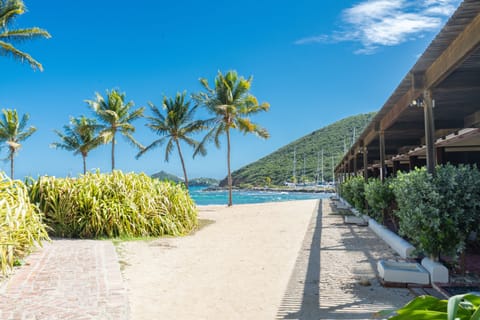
303, 296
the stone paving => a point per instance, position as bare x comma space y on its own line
335, 276
67, 279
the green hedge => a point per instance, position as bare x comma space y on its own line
114, 205
379, 197
436, 213
353, 191
21, 223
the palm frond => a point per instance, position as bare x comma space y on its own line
7, 49
155, 144
10, 9
24, 34
131, 140
169, 149
24, 135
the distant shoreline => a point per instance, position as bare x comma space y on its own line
298, 189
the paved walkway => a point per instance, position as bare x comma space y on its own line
67, 279
335, 276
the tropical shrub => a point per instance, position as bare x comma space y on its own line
438, 213
459, 307
379, 196
114, 205
353, 191
21, 223
421, 218
460, 190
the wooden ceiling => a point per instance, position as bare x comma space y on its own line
450, 69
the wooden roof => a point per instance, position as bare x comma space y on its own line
450, 68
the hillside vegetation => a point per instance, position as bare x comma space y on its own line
277, 167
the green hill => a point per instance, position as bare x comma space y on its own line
278, 166
203, 182
162, 175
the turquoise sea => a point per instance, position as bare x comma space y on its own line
202, 197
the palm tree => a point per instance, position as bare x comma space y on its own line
116, 116
231, 104
8, 10
79, 137
12, 133
175, 125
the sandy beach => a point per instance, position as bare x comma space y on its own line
236, 268
260, 261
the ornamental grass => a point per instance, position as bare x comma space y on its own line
112, 205
21, 224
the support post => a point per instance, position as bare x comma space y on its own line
382, 156
365, 162
429, 131
355, 169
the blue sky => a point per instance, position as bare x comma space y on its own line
315, 62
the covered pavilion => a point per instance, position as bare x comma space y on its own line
433, 116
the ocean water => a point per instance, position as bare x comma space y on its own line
202, 197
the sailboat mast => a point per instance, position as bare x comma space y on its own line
295, 165
322, 167
304, 167
333, 170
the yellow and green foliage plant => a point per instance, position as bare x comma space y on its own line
117, 204
21, 224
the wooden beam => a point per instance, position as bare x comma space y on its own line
399, 108
473, 120
372, 135
465, 43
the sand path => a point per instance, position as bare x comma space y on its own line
235, 268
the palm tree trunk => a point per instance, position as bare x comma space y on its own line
84, 163
11, 164
113, 152
183, 163
228, 167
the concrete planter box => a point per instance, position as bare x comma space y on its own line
403, 272
438, 272
355, 220
400, 245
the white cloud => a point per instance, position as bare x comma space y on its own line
377, 23
316, 39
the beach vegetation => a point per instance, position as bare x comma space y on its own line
97, 205
380, 198
174, 124
79, 137
231, 104
459, 307
436, 213
9, 10
353, 190
115, 116
13, 131
22, 225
